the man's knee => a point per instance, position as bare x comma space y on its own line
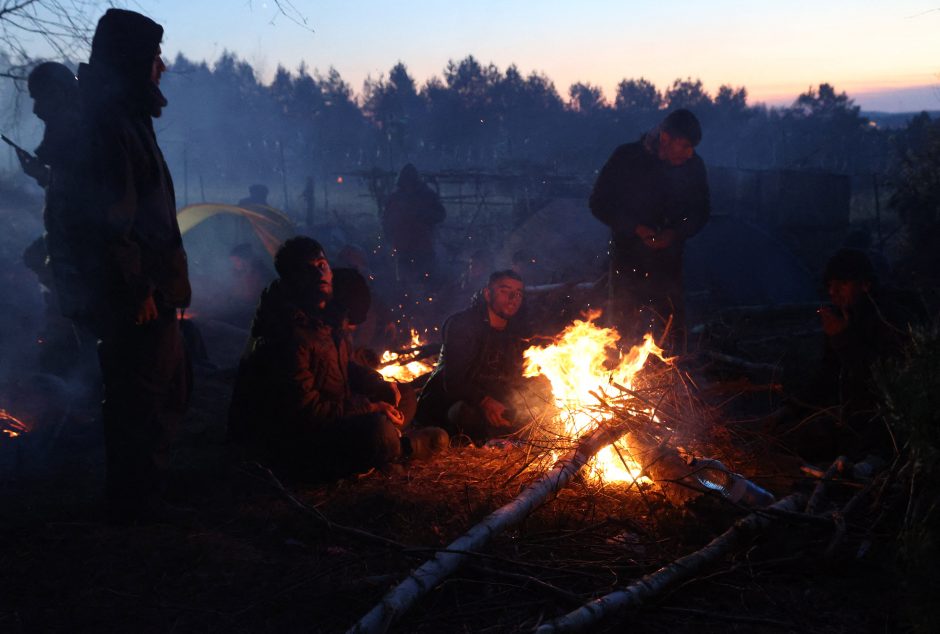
382, 438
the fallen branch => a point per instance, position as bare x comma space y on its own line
819, 493
588, 616
399, 599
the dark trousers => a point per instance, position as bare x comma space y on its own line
344, 447
146, 390
642, 298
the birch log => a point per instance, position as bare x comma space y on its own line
588, 616
399, 599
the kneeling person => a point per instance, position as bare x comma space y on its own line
477, 387
296, 402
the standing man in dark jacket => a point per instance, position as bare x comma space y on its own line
410, 216
142, 270
477, 387
653, 194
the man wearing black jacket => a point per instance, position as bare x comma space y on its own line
140, 276
475, 388
653, 194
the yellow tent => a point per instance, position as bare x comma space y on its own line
270, 225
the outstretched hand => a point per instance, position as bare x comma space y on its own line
146, 311
493, 411
31, 165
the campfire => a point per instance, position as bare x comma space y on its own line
11, 426
587, 373
406, 365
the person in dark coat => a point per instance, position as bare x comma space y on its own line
409, 218
299, 401
653, 194
142, 274
477, 389
56, 167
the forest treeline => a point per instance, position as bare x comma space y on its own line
235, 127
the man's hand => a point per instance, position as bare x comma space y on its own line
389, 411
832, 323
31, 165
397, 393
493, 412
146, 312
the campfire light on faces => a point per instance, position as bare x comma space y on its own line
11, 426
404, 368
578, 366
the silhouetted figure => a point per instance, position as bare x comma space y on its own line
56, 168
249, 276
409, 219
477, 389
143, 270
654, 196
299, 401
257, 195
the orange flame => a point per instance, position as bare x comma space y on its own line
578, 365
403, 368
12, 426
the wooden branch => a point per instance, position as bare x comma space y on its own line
819, 493
588, 616
403, 596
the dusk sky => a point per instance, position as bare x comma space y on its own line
775, 49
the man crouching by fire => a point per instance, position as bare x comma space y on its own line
299, 403
477, 389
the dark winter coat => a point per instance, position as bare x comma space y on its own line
476, 361
133, 192
636, 188
409, 218
295, 376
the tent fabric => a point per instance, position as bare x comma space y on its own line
270, 225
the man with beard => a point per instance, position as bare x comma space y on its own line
141, 272
653, 194
299, 402
477, 390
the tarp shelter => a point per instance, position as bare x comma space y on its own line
269, 225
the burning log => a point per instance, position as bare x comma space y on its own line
409, 364
403, 596
588, 616
11, 426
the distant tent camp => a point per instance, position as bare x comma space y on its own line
270, 226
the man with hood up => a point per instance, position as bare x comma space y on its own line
142, 270
408, 221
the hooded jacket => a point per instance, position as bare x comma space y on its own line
133, 193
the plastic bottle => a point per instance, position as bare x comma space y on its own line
712, 475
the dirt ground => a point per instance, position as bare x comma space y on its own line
237, 555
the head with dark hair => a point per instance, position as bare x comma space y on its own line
682, 123
125, 52
409, 178
675, 138
258, 192
496, 276
503, 295
302, 265
54, 89
849, 275
351, 294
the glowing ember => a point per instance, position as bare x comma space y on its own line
403, 368
578, 363
11, 426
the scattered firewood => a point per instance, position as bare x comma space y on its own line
403, 596
819, 493
589, 615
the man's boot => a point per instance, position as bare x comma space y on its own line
422, 443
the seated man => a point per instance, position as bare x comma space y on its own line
864, 325
298, 400
475, 390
